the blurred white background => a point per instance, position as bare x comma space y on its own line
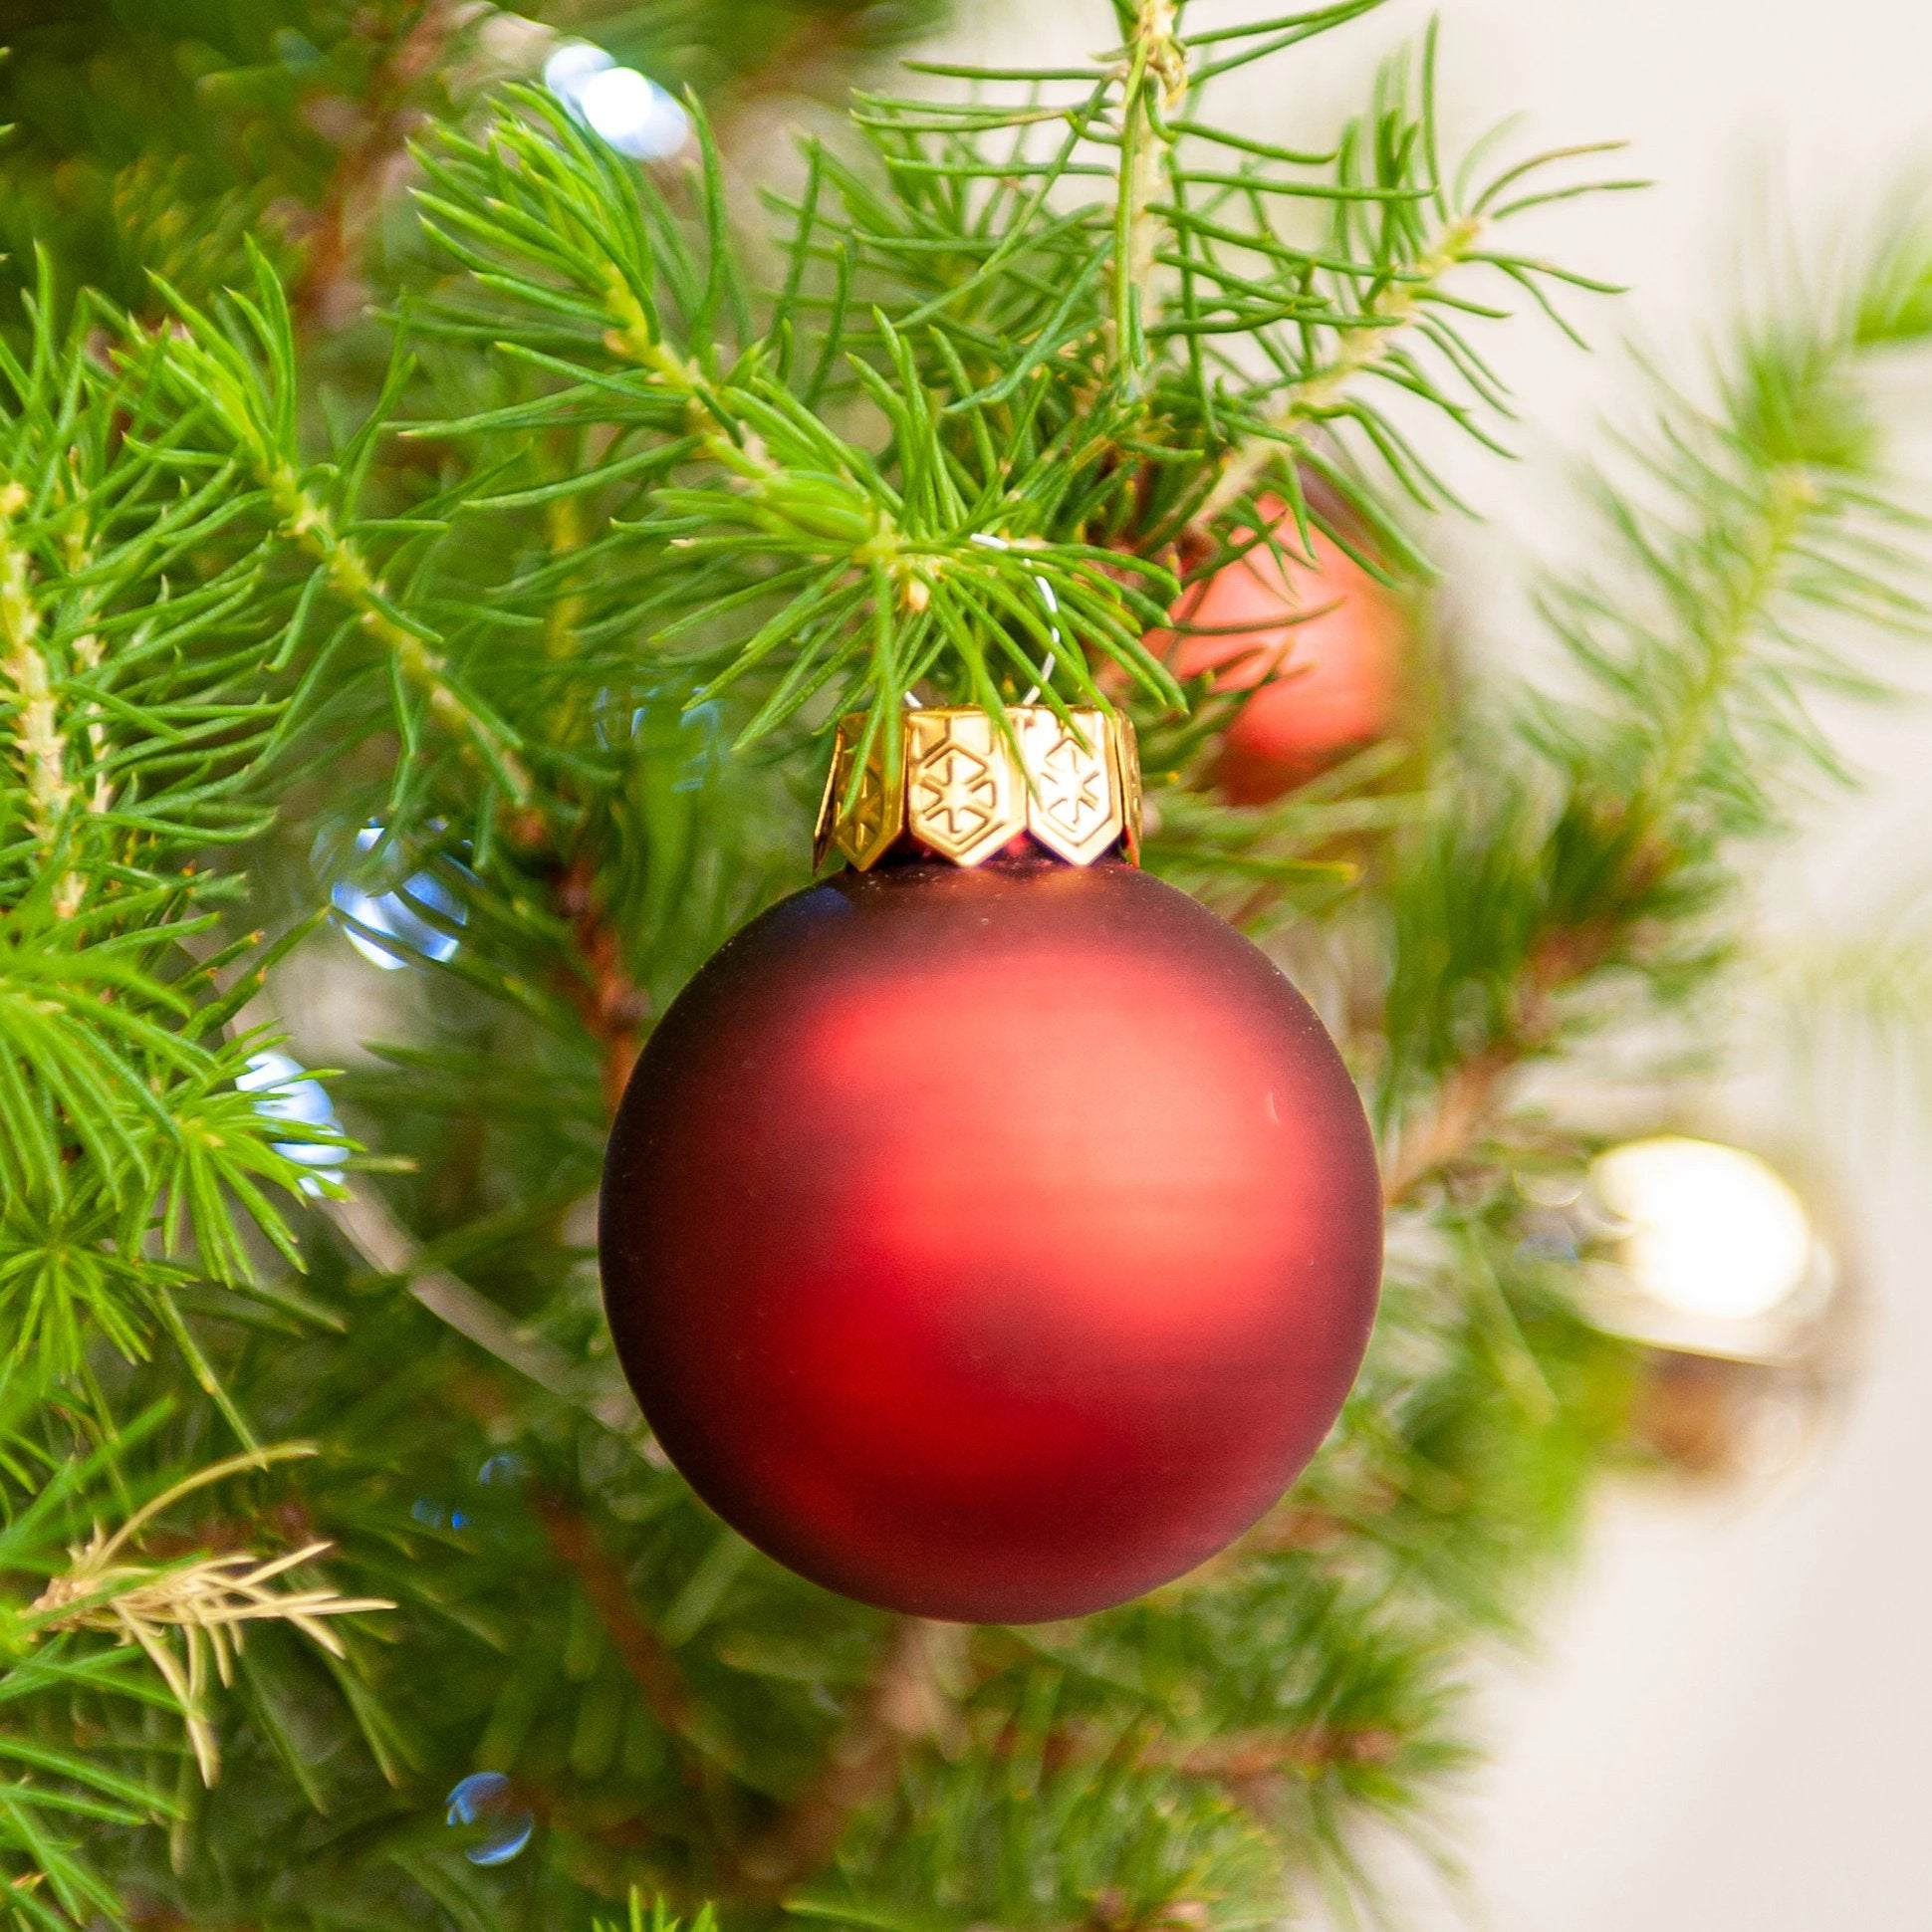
1726, 1727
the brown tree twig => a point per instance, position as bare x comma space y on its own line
1471, 1095
1242, 1760
1249, 1754
1240, 1756
373, 1232
610, 1002
644, 1654
328, 290
1466, 1102
909, 1698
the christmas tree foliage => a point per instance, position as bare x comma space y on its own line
342, 1586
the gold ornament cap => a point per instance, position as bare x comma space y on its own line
965, 787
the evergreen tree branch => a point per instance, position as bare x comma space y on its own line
1322, 394
1152, 95
1747, 538
257, 412
614, 1010
41, 746
134, 708
103, 1586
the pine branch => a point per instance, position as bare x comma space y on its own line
132, 711
257, 411
1324, 393
874, 583
103, 1586
1152, 95
41, 746
612, 1007
1747, 540
1416, 230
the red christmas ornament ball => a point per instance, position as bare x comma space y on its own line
991, 1244
1321, 638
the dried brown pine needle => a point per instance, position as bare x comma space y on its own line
206, 1599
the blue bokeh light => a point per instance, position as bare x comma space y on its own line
391, 916
284, 1091
487, 1798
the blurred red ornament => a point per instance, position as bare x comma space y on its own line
991, 1244
1323, 639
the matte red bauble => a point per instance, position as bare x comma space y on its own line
990, 1243
1322, 638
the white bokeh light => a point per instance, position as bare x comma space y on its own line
284, 1091
1706, 1230
627, 108
570, 65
